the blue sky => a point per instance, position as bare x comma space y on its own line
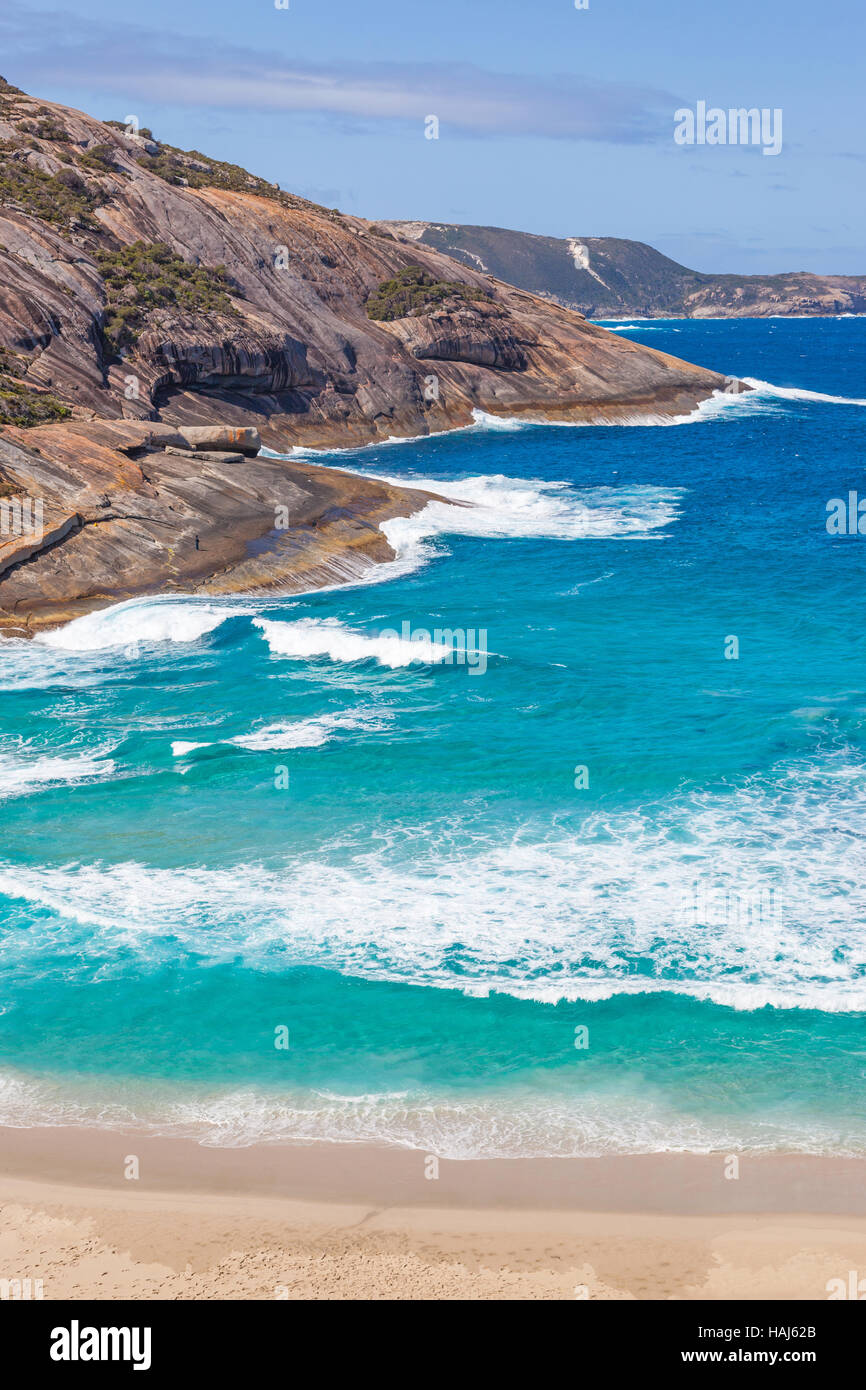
552, 119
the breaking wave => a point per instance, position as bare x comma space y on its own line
140, 621
746, 897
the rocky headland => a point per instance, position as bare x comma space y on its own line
147, 293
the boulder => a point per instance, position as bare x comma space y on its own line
223, 438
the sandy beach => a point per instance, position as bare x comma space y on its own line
354, 1222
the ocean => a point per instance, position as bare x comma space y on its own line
547, 838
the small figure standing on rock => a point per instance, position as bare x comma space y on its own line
196, 542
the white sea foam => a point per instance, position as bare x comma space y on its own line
309, 637
140, 621
25, 771
522, 1124
179, 748
313, 732
486, 421
745, 896
764, 397
504, 508
297, 733
796, 393
515, 1126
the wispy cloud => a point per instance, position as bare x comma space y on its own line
133, 64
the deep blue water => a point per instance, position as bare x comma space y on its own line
638, 807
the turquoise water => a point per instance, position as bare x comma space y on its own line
226, 819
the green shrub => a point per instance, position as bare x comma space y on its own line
414, 291
51, 129
144, 278
21, 405
53, 198
199, 171
70, 178
101, 158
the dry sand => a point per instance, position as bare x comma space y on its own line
352, 1222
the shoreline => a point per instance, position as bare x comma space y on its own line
357, 1222
171, 527
124, 518
670, 1182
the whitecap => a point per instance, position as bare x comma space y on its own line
327, 637
20, 775
140, 621
797, 393
179, 748
764, 397
310, 733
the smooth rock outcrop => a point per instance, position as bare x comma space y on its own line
287, 346
148, 520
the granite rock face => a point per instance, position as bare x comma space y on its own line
187, 313
294, 352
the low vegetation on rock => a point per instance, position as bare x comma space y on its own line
143, 278
197, 171
102, 159
21, 405
192, 169
63, 199
414, 291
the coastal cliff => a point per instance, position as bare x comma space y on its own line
145, 290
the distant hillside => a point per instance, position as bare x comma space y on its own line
606, 277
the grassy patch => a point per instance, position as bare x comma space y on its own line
414, 291
143, 278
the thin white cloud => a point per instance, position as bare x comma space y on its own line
134, 64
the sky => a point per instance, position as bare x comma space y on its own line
551, 119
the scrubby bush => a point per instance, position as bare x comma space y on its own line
51, 129
101, 158
414, 291
21, 405
70, 178
143, 278
52, 198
